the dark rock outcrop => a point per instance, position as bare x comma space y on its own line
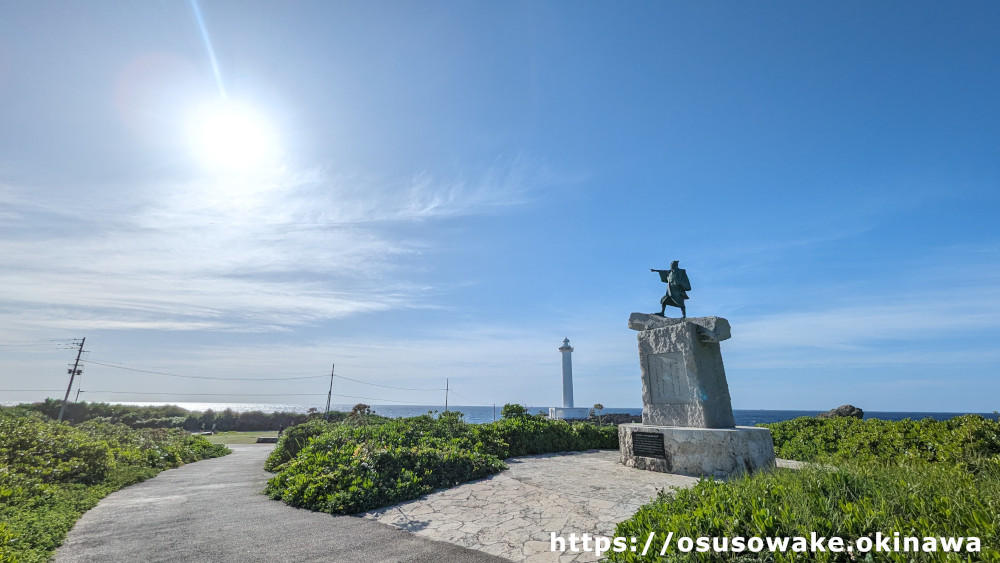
849, 411
617, 418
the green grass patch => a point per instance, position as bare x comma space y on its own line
367, 463
51, 473
240, 437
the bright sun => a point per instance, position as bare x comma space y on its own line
232, 137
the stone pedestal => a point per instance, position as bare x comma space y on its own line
687, 417
715, 452
683, 379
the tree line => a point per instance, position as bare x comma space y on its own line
172, 416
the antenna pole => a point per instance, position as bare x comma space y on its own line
72, 373
446, 394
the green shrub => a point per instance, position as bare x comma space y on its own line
961, 439
531, 435
50, 473
52, 453
852, 501
340, 477
293, 440
922, 478
511, 410
346, 468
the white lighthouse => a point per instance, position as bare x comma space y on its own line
567, 357
567, 410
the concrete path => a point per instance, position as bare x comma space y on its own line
512, 514
213, 511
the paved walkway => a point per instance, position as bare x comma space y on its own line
512, 514
213, 511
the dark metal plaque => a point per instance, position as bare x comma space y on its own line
648, 444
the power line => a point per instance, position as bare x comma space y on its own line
123, 367
37, 345
229, 395
22, 347
38, 341
387, 400
387, 386
215, 378
175, 394
33, 347
204, 376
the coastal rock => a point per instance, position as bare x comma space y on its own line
617, 418
849, 411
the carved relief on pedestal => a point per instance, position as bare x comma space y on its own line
668, 378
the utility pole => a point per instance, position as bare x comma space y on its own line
446, 394
330, 392
73, 372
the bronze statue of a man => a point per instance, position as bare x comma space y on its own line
677, 287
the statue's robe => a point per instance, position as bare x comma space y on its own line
677, 287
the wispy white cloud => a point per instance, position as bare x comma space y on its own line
504, 183
232, 253
342, 198
883, 330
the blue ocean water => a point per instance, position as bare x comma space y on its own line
480, 414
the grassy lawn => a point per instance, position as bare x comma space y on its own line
240, 437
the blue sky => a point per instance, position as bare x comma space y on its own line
422, 191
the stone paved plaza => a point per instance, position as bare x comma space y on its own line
513, 513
